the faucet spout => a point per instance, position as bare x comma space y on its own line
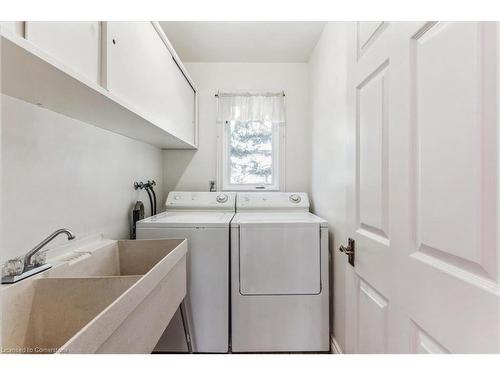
28, 257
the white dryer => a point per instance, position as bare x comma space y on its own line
203, 218
279, 275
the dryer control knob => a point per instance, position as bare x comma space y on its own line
295, 198
221, 198
177, 197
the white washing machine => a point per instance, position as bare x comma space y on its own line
279, 275
203, 218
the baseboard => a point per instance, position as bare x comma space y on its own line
336, 349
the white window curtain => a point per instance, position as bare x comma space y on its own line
251, 108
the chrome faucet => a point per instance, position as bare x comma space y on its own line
28, 263
17, 269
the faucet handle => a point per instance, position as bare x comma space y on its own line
39, 259
13, 267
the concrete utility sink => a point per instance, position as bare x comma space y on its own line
116, 297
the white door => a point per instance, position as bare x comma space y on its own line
424, 194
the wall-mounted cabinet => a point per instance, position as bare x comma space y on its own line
121, 76
141, 70
76, 44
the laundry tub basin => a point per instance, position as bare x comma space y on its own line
117, 298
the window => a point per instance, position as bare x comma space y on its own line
251, 137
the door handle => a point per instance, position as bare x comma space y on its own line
349, 250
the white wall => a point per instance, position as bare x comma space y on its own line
328, 121
190, 170
60, 172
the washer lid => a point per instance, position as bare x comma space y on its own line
189, 219
277, 218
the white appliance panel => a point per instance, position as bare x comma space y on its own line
279, 275
279, 323
279, 258
208, 288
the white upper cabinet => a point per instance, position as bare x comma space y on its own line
141, 70
121, 76
75, 44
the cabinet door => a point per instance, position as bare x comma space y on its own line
76, 44
141, 71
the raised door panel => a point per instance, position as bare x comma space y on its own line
373, 157
367, 33
372, 320
141, 71
76, 44
423, 343
451, 276
451, 208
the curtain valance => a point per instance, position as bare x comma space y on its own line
251, 107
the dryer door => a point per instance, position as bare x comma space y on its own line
279, 258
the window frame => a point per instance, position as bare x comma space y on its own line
224, 164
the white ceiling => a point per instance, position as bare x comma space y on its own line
243, 41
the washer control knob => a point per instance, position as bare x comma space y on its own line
222, 198
177, 197
295, 198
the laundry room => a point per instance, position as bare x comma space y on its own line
271, 186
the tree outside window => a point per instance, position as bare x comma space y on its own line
251, 152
